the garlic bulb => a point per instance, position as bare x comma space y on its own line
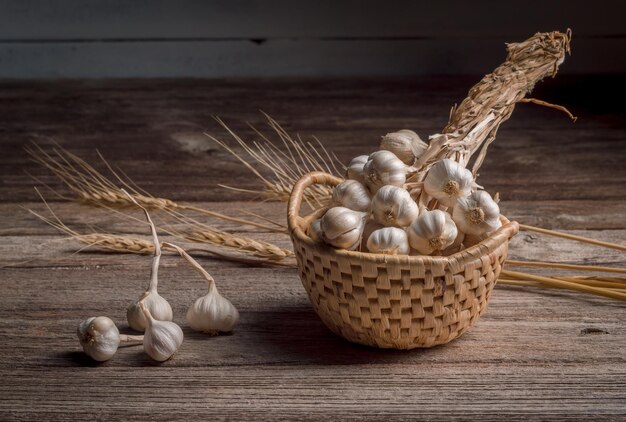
212, 313
406, 144
393, 206
162, 338
476, 214
448, 181
99, 337
157, 305
433, 231
384, 168
355, 168
352, 194
342, 227
315, 230
389, 240
474, 239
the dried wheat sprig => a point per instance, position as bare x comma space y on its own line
93, 188
197, 231
286, 165
573, 237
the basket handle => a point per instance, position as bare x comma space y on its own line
306, 181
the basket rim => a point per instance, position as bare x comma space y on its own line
295, 222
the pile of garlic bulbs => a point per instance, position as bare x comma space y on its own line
372, 211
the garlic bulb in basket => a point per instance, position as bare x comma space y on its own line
352, 194
384, 168
433, 231
355, 168
448, 181
393, 206
405, 144
342, 228
476, 214
389, 240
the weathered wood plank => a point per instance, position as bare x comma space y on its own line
169, 19
536, 354
284, 58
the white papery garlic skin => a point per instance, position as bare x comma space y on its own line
433, 231
447, 181
315, 230
212, 313
405, 144
384, 168
474, 239
99, 337
476, 214
389, 240
393, 206
355, 168
157, 305
162, 338
352, 194
342, 227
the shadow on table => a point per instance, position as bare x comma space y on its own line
298, 335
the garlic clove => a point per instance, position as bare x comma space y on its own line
352, 194
477, 214
162, 338
212, 313
447, 181
389, 240
393, 206
355, 168
433, 231
158, 306
384, 168
99, 338
405, 144
342, 228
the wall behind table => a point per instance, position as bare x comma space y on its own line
316, 38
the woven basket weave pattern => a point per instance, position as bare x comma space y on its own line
400, 302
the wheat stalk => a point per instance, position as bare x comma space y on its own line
286, 165
92, 187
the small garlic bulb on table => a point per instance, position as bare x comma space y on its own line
384, 168
433, 231
342, 227
405, 144
352, 194
477, 214
162, 338
393, 206
100, 338
388, 240
447, 181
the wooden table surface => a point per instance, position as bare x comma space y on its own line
535, 354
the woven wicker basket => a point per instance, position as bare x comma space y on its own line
400, 302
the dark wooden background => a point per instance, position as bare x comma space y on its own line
311, 38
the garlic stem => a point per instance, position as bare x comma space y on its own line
130, 338
193, 262
573, 237
154, 271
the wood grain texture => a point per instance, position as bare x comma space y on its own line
534, 355
190, 38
